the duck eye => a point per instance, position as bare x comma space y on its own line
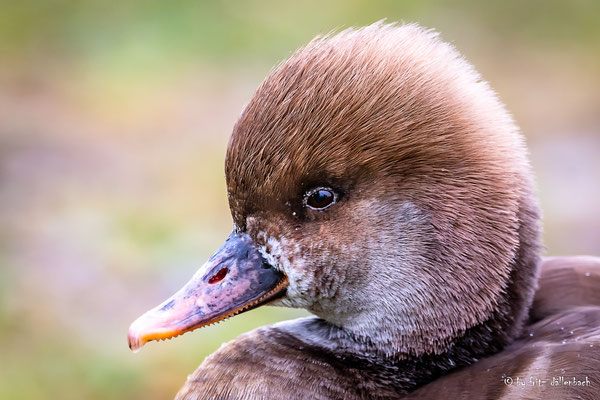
320, 198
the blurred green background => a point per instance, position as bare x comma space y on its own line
114, 117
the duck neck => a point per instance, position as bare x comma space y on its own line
377, 366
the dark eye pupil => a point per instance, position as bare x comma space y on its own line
320, 198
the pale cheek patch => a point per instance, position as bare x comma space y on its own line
278, 254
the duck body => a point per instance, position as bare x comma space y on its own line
556, 356
375, 180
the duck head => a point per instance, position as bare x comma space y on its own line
375, 180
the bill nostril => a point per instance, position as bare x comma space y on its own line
218, 277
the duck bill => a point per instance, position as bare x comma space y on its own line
235, 279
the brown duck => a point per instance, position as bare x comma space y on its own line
375, 180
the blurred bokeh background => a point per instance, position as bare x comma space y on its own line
114, 118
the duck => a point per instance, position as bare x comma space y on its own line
377, 181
